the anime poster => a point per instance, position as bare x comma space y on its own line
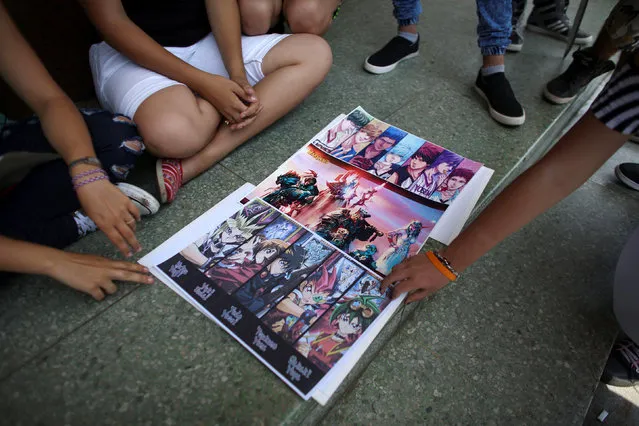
295, 313
377, 223
283, 274
219, 243
294, 300
398, 157
255, 254
339, 326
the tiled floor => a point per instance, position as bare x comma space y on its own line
501, 345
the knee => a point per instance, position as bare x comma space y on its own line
256, 16
306, 17
317, 54
174, 136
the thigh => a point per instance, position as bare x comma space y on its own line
24, 136
254, 49
122, 85
295, 49
39, 208
116, 141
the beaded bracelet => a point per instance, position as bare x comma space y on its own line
79, 176
77, 185
443, 265
92, 161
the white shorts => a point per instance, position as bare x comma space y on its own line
121, 85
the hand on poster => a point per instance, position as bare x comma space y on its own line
415, 275
94, 275
113, 212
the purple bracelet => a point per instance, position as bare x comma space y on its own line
77, 185
79, 176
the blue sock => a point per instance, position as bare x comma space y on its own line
408, 36
493, 70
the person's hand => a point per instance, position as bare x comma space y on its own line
112, 212
416, 275
94, 275
250, 98
228, 98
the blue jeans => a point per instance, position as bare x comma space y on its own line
407, 11
495, 25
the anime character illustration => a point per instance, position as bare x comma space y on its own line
387, 165
450, 189
365, 196
295, 190
302, 306
349, 318
343, 130
406, 175
367, 256
295, 313
400, 241
378, 148
237, 268
343, 189
432, 177
255, 293
283, 274
354, 223
280, 229
215, 245
360, 140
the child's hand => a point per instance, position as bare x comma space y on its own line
417, 275
94, 275
226, 96
113, 212
249, 98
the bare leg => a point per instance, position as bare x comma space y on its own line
174, 123
310, 16
293, 68
258, 16
492, 60
409, 28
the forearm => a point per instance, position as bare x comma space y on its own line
566, 167
224, 16
65, 129
23, 71
26, 258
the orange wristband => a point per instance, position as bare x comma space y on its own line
440, 266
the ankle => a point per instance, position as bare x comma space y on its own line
492, 60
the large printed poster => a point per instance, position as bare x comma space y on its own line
294, 273
298, 302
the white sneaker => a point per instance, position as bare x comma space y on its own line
146, 203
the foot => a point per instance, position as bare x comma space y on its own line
169, 176
502, 103
516, 41
146, 203
558, 28
628, 174
584, 68
386, 59
622, 368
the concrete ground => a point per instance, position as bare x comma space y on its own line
521, 339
